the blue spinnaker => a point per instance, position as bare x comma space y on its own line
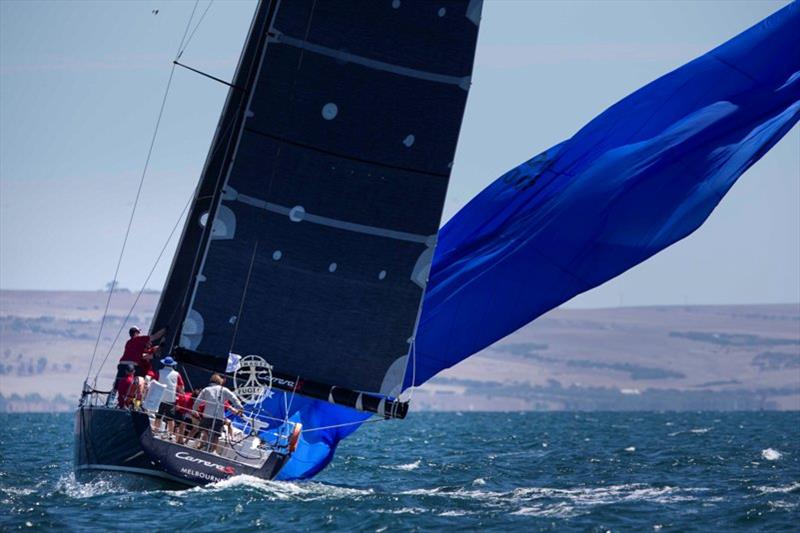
644, 174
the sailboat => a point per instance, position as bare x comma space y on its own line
306, 251
306, 271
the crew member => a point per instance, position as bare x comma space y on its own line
183, 415
215, 396
139, 350
172, 379
125, 387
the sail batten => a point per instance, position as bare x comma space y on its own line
461, 81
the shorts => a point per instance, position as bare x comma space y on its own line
212, 424
122, 370
166, 410
182, 416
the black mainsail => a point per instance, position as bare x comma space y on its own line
325, 183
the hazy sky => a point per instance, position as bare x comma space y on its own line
80, 85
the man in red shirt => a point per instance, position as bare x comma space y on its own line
183, 410
125, 387
139, 351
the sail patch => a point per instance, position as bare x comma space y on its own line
474, 11
329, 111
192, 331
422, 268
224, 227
393, 379
297, 213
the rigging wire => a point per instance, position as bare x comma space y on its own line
130, 220
138, 195
144, 286
345, 424
413, 369
200, 21
241, 303
181, 47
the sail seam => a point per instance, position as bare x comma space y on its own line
343, 156
334, 223
462, 82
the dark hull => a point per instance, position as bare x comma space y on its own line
118, 441
199, 467
106, 440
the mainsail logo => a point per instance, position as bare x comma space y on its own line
253, 379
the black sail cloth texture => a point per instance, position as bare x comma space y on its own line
326, 221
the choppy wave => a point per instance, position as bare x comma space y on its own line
564, 502
285, 490
791, 488
476, 471
771, 455
407, 467
102, 485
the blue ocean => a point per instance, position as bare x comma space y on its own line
487, 471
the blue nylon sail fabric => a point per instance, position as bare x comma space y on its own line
644, 174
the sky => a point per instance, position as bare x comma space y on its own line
81, 84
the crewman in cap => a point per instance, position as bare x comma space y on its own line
138, 351
171, 378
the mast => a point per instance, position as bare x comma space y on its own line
183, 272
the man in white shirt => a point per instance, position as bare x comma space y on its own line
172, 380
215, 396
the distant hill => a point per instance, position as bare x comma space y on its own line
645, 358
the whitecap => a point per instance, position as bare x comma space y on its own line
630, 449
479, 481
772, 490
569, 501
700, 431
285, 490
454, 513
406, 467
782, 504
559, 510
17, 492
403, 510
771, 454
67, 484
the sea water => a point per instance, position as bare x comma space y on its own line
470, 471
